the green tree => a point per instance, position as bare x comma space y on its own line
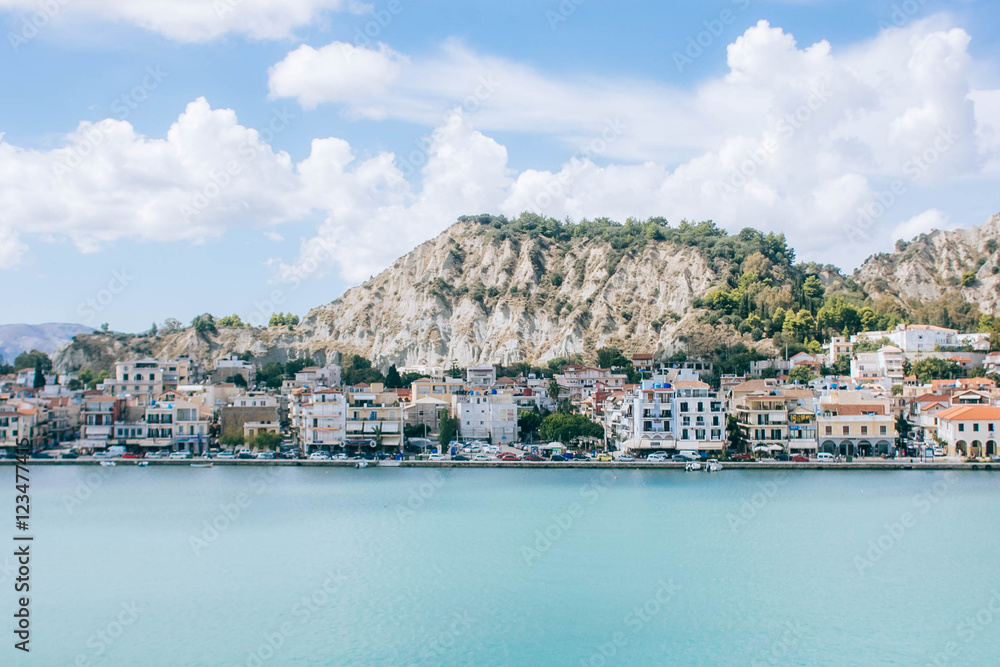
937, 369
903, 429
39, 375
74, 384
447, 429
31, 359
734, 435
356, 369
529, 421
801, 374
230, 321
392, 379
266, 440
232, 438
238, 380
565, 428
204, 323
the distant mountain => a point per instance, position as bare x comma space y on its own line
18, 338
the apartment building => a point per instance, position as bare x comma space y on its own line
98, 415
577, 383
374, 418
854, 423
322, 420
442, 388
486, 416
481, 376
777, 419
669, 416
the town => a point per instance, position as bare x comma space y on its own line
631, 407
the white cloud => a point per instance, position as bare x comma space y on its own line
804, 141
923, 223
193, 20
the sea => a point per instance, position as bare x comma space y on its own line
260, 565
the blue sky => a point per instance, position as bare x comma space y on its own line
581, 108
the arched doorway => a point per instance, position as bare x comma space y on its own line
829, 446
864, 448
961, 447
991, 448
883, 447
976, 448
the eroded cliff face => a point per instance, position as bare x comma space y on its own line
933, 265
466, 298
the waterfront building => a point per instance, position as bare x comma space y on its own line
442, 388
374, 418
488, 416
577, 382
855, 423
969, 430
321, 420
669, 416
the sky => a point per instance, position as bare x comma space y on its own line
162, 160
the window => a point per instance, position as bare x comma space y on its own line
847, 430
990, 427
829, 430
864, 430
882, 430
961, 427
975, 427
684, 406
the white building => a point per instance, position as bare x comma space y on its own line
490, 417
322, 422
914, 337
481, 377
671, 416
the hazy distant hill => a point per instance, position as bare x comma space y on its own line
18, 338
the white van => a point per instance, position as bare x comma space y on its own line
824, 456
690, 455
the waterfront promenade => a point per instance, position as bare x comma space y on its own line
865, 464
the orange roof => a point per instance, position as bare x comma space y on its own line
970, 412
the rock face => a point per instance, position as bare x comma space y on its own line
933, 265
466, 297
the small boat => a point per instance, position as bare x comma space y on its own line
693, 465
142, 464
108, 464
201, 465
713, 465
362, 464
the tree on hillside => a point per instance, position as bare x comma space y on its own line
356, 369
204, 323
230, 321
237, 380
31, 359
801, 374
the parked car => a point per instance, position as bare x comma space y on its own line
559, 457
319, 456
510, 457
435, 457
244, 453
460, 457
688, 456
582, 457
658, 457
174, 456
783, 456
800, 458
532, 457
625, 458
266, 456
156, 455
226, 455
482, 457
824, 456
745, 456
70, 455
290, 454
604, 456
126, 455
41, 455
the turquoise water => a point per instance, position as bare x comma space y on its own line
336, 566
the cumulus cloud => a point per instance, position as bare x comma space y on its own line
827, 147
923, 223
194, 20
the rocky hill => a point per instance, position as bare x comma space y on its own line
479, 292
961, 263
